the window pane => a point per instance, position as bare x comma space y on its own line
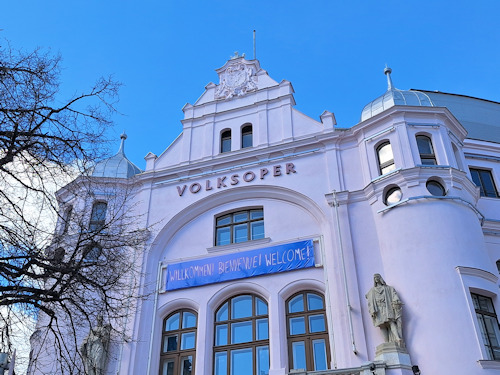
221, 335
241, 332
388, 169
435, 188
241, 307
487, 184
296, 304
99, 211
172, 323
238, 217
224, 220
314, 302
246, 140
424, 145
261, 307
262, 328
221, 314
242, 362
226, 145
299, 355
257, 228
491, 325
223, 236
317, 323
240, 233
188, 320
256, 214
187, 365
169, 343
187, 340
221, 363
263, 360
428, 161
297, 326
168, 367
385, 154
393, 196
319, 355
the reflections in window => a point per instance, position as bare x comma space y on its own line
240, 226
246, 136
488, 324
98, 216
385, 158
484, 180
225, 141
307, 332
242, 337
425, 149
178, 343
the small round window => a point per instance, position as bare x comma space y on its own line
435, 188
393, 196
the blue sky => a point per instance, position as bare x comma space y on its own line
165, 52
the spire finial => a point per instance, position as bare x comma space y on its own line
123, 136
387, 72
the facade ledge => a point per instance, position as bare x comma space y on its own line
487, 364
237, 246
377, 367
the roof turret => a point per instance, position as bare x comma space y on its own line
117, 166
394, 96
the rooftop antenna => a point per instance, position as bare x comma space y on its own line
254, 49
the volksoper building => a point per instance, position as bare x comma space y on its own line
273, 225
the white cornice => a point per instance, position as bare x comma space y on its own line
476, 272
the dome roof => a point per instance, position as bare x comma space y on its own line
394, 96
117, 166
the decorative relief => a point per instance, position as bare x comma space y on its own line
237, 80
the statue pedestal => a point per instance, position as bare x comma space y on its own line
396, 358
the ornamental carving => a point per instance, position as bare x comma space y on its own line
237, 80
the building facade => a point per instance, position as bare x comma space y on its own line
270, 227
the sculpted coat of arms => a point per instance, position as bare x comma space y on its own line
236, 80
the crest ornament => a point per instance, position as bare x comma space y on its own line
237, 80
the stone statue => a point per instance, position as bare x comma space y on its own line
386, 310
94, 348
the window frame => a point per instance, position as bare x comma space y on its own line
423, 155
178, 354
245, 133
225, 140
482, 191
229, 347
96, 223
66, 218
388, 163
307, 337
232, 224
486, 339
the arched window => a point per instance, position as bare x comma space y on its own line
66, 219
385, 158
308, 346
239, 226
98, 216
246, 136
178, 343
458, 159
241, 344
426, 150
225, 141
